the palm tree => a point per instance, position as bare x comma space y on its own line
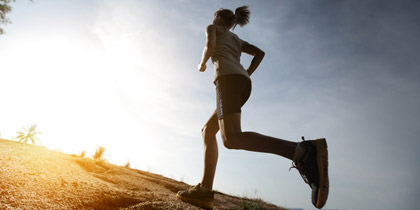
28, 134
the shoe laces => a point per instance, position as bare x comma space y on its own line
306, 167
199, 188
195, 188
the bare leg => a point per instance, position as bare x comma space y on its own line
211, 152
234, 138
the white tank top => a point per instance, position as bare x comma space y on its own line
227, 55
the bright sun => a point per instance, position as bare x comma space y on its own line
83, 95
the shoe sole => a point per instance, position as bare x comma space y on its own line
322, 160
203, 204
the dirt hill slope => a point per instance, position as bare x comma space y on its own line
33, 177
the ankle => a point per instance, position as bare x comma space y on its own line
204, 188
299, 151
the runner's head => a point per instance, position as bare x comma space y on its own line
227, 18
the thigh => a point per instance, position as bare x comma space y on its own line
232, 91
230, 124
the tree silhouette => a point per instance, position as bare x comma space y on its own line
4, 9
28, 134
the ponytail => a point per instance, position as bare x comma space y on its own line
241, 16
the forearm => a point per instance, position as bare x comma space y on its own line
207, 52
209, 48
255, 62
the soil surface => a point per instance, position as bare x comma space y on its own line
33, 177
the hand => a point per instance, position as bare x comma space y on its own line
202, 67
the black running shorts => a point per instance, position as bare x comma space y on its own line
232, 91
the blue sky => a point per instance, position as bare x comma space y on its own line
123, 75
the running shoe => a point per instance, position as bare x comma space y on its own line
312, 165
198, 195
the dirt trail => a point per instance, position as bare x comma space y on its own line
33, 177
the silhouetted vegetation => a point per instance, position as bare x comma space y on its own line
255, 204
4, 9
29, 133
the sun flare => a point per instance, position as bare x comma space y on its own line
73, 83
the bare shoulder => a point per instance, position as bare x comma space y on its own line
215, 29
210, 28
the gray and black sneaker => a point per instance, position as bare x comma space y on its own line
311, 160
198, 195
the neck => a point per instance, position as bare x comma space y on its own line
222, 25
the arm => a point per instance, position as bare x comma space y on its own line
256, 52
209, 48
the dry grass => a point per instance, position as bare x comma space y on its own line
33, 177
99, 153
82, 154
127, 165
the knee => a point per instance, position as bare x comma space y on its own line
230, 141
207, 132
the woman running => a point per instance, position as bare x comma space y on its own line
233, 88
